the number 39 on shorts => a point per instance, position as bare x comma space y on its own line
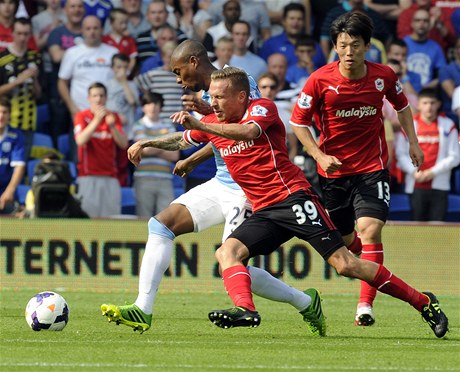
308, 210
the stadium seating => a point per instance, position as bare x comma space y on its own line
128, 201
21, 192
456, 181
43, 118
63, 145
42, 140
453, 208
30, 169
400, 207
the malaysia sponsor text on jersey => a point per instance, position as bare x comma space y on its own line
236, 149
358, 112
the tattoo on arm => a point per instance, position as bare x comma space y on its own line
170, 142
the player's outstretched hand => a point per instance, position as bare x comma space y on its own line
135, 153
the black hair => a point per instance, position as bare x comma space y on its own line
305, 40
5, 102
293, 7
429, 93
121, 57
152, 97
97, 85
355, 24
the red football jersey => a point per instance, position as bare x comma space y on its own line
261, 167
126, 45
428, 138
348, 114
98, 157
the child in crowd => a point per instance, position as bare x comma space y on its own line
153, 178
305, 50
438, 138
223, 51
123, 98
122, 94
119, 37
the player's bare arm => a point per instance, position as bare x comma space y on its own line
328, 163
170, 142
237, 132
184, 167
407, 123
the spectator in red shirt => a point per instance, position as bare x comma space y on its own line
119, 38
98, 134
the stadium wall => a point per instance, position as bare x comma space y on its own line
104, 255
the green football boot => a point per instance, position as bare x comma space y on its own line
129, 315
313, 314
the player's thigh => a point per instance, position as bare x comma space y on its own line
337, 197
372, 195
235, 207
260, 235
203, 204
301, 215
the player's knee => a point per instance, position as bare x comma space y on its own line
344, 263
158, 228
177, 219
370, 229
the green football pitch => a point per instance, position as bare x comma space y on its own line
182, 338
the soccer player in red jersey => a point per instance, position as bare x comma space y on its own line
345, 99
251, 138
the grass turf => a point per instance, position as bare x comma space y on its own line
182, 339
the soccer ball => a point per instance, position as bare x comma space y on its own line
47, 311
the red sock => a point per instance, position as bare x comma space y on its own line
237, 282
374, 253
390, 284
355, 247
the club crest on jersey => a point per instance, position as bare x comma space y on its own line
6, 147
379, 84
304, 101
259, 111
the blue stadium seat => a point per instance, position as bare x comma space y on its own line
30, 169
456, 181
453, 208
400, 209
128, 201
73, 170
42, 140
21, 192
43, 118
63, 145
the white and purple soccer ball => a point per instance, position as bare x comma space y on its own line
47, 311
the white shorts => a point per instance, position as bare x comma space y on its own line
212, 203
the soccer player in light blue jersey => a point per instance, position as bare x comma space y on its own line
220, 200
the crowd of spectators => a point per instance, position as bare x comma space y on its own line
101, 71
